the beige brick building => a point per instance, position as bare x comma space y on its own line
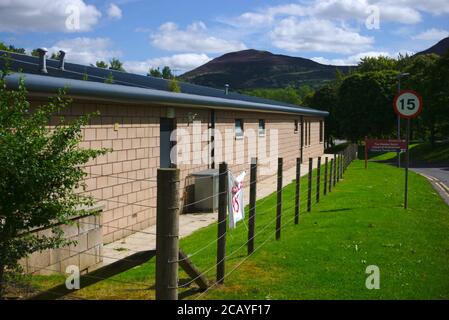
137, 115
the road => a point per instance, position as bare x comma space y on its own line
438, 176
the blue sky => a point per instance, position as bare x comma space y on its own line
186, 34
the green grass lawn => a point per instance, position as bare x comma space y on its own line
419, 152
361, 222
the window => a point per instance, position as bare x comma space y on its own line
238, 128
296, 126
321, 131
261, 127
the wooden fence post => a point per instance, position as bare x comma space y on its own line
298, 190
337, 164
252, 205
309, 188
167, 234
325, 175
222, 206
341, 164
330, 175
335, 169
318, 178
279, 200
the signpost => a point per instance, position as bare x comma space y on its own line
378, 145
407, 104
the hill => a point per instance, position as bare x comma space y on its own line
248, 69
440, 48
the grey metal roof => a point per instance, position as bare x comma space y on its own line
133, 87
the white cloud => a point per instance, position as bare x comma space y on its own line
194, 38
296, 35
351, 60
179, 63
86, 50
47, 15
354, 59
114, 12
431, 35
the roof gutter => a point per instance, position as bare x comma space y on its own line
46, 84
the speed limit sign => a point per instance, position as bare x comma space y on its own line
407, 104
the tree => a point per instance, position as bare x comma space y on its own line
326, 99
288, 94
155, 72
11, 48
166, 73
41, 175
365, 105
116, 64
101, 64
35, 53
380, 63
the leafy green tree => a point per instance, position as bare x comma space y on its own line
154, 72
365, 105
381, 63
35, 53
426, 76
173, 86
11, 48
116, 64
326, 99
288, 94
167, 73
101, 64
41, 175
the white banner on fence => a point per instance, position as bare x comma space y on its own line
235, 199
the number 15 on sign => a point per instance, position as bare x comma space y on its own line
407, 104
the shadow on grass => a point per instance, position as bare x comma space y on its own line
336, 210
98, 275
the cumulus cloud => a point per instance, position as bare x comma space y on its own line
179, 63
47, 15
296, 35
431, 35
401, 11
354, 59
85, 50
114, 12
194, 38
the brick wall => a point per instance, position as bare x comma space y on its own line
124, 180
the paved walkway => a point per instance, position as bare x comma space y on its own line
189, 223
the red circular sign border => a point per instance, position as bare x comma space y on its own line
396, 99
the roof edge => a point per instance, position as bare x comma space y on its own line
47, 84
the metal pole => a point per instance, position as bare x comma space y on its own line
335, 169
252, 205
279, 200
406, 164
330, 175
167, 234
221, 236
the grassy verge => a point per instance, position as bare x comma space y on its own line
360, 223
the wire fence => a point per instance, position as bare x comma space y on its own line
326, 178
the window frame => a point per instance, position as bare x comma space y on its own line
261, 131
242, 128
